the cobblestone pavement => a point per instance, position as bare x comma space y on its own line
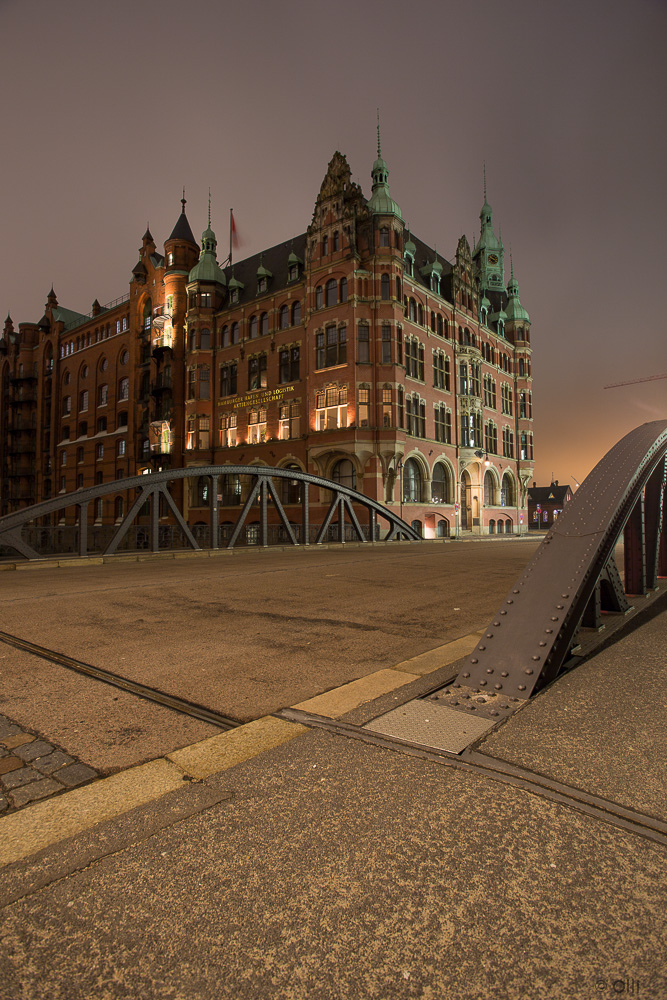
32, 769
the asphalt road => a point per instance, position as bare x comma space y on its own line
245, 634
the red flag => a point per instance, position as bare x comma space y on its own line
235, 237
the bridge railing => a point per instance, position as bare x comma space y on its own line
22, 533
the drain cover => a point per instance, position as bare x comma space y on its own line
429, 725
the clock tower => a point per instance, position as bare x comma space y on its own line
489, 253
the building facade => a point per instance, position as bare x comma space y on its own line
545, 504
354, 352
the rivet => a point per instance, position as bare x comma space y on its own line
560, 607
465, 674
528, 670
522, 687
536, 658
489, 635
498, 687
554, 618
456, 684
515, 591
548, 631
542, 642
480, 701
496, 624
482, 648
472, 707
564, 595
503, 673
474, 660
493, 713
482, 683
503, 612
489, 670
509, 601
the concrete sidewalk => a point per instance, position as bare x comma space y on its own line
316, 864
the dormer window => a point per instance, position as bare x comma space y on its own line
435, 283
409, 265
234, 296
262, 284
293, 272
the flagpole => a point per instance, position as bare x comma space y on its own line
231, 218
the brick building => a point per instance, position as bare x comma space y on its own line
353, 351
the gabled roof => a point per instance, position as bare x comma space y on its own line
548, 494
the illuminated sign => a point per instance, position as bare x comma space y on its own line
259, 397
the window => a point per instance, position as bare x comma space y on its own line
440, 370
253, 327
103, 395
119, 508
331, 408
291, 488
205, 382
412, 482
506, 397
79, 456
331, 347
224, 337
192, 383
443, 424
228, 380
99, 452
83, 400
122, 419
63, 458
288, 364
441, 485
415, 414
84, 372
421, 314
363, 352
318, 297
205, 339
288, 421
414, 359
471, 430
409, 264
124, 388
384, 237
384, 287
170, 259
234, 296
336, 241
284, 317
345, 474
364, 396
399, 346
264, 324
190, 433
386, 344
205, 300
120, 448
508, 443
257, 372
227, 427
101, 424
386, 407
257, 426
124, 358
293, 272
204, 432
296, 314
235, 333
400, 395
332, 292
491, 438
83, 428
489, 392
507, 496
325, 246
262, 283
412, 310
435, 282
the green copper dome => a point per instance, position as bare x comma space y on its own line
207, 267
515, 311
381, 202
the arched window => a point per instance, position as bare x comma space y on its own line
421, 314
119, 508
296, 314
343, 290
489, 490
325, 246
336, 241
264, 324
318, 297
284, 317
443, 528
331, 292
412, 310
384, 287
412, 482
492, 526
124, 388
441, 485
224, 337
235, 333
345, 474
252, 327
292, 487
507, 493
417, 526
146, 316
122, 419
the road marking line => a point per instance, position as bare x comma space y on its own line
219, 753
441, 656
349, 696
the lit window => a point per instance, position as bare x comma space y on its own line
257, 372
204, 432
331, 408
364, 397
288, 421
386, 407
227, 427
257, 426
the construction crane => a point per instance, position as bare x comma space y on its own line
632, 381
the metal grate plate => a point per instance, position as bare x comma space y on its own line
429, 725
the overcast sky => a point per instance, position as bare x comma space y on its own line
107, 110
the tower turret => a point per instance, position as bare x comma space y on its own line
489, 253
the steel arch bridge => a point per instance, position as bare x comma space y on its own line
573, 576
153, 490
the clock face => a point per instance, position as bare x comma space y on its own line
493, 258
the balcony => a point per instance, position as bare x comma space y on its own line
23, 397
14, 379
161, 384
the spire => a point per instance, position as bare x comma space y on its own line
181, 230
515, 311
147, 237
207, 267
209, 208
380, 202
